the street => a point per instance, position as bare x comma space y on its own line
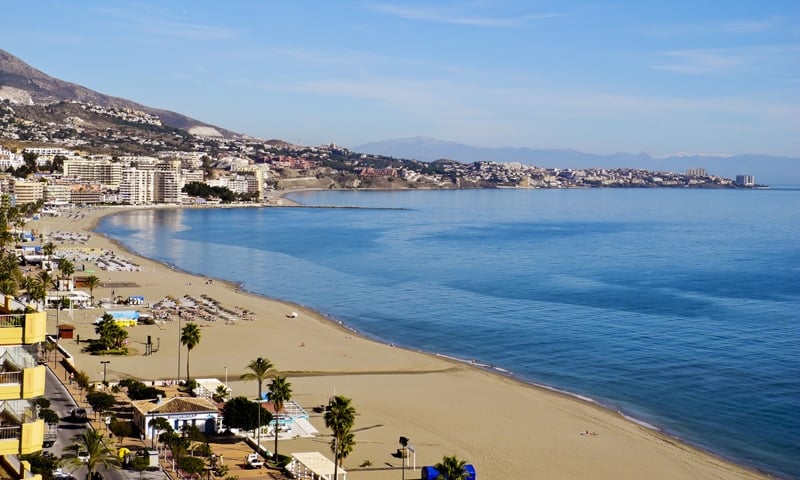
68, 429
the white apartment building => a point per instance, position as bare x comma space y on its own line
167, 186
136, 187
9, 159
105, 172
57, 192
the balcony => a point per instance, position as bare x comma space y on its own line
20, 430
24, 383
22, 328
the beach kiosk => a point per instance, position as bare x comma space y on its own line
66, 331
314, 465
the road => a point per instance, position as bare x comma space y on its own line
62, 403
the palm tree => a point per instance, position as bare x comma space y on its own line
340, 417
280, 392
48, 249
92, 282
221, 393
190, 337
67, 269
38, 292
451, 468
91, 442
259, 369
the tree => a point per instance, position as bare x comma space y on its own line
43, 465
176, 443
239, 412
48, 249
280, 392
221, 393
451, 468
38, 291
340, 417
140, 463
101, 401
344, 446
158, 424
140, 391
45, 277
82, 379
192, 465
112, 334
92, 282
49, 416
41, 403
190, 337
91, 442
259, 370
67, 268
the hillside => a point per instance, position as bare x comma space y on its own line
22, 84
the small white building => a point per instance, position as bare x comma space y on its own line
178, 411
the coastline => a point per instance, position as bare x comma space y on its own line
436, 393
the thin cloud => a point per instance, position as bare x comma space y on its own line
762, 58
735, 27
749, 26
435, 15
155, 21
699, 62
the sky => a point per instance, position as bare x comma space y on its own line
708, 77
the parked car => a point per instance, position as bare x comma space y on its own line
253, 460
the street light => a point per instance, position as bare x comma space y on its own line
105, 363
404, 444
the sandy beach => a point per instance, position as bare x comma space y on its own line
505, 428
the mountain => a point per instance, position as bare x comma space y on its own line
767, 169
22, 84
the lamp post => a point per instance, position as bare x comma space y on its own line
105, 363
179, 348
226, 376
403, 451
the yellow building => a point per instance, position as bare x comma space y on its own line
22, 379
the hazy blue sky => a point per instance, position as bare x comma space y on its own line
661, 77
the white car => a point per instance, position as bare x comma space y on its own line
83, 456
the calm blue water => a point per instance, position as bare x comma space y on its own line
677, 307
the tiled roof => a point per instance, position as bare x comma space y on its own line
175, 405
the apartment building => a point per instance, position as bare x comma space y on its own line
136, 187
28, 192
57, 192
105, 172
22, 380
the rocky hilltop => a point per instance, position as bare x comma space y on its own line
22, 84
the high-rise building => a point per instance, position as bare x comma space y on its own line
696, 172
106, 172
745, 180
22, 379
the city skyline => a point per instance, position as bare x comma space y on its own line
703, 78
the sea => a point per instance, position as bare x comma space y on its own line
677, 307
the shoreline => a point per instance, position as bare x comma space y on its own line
456, 365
